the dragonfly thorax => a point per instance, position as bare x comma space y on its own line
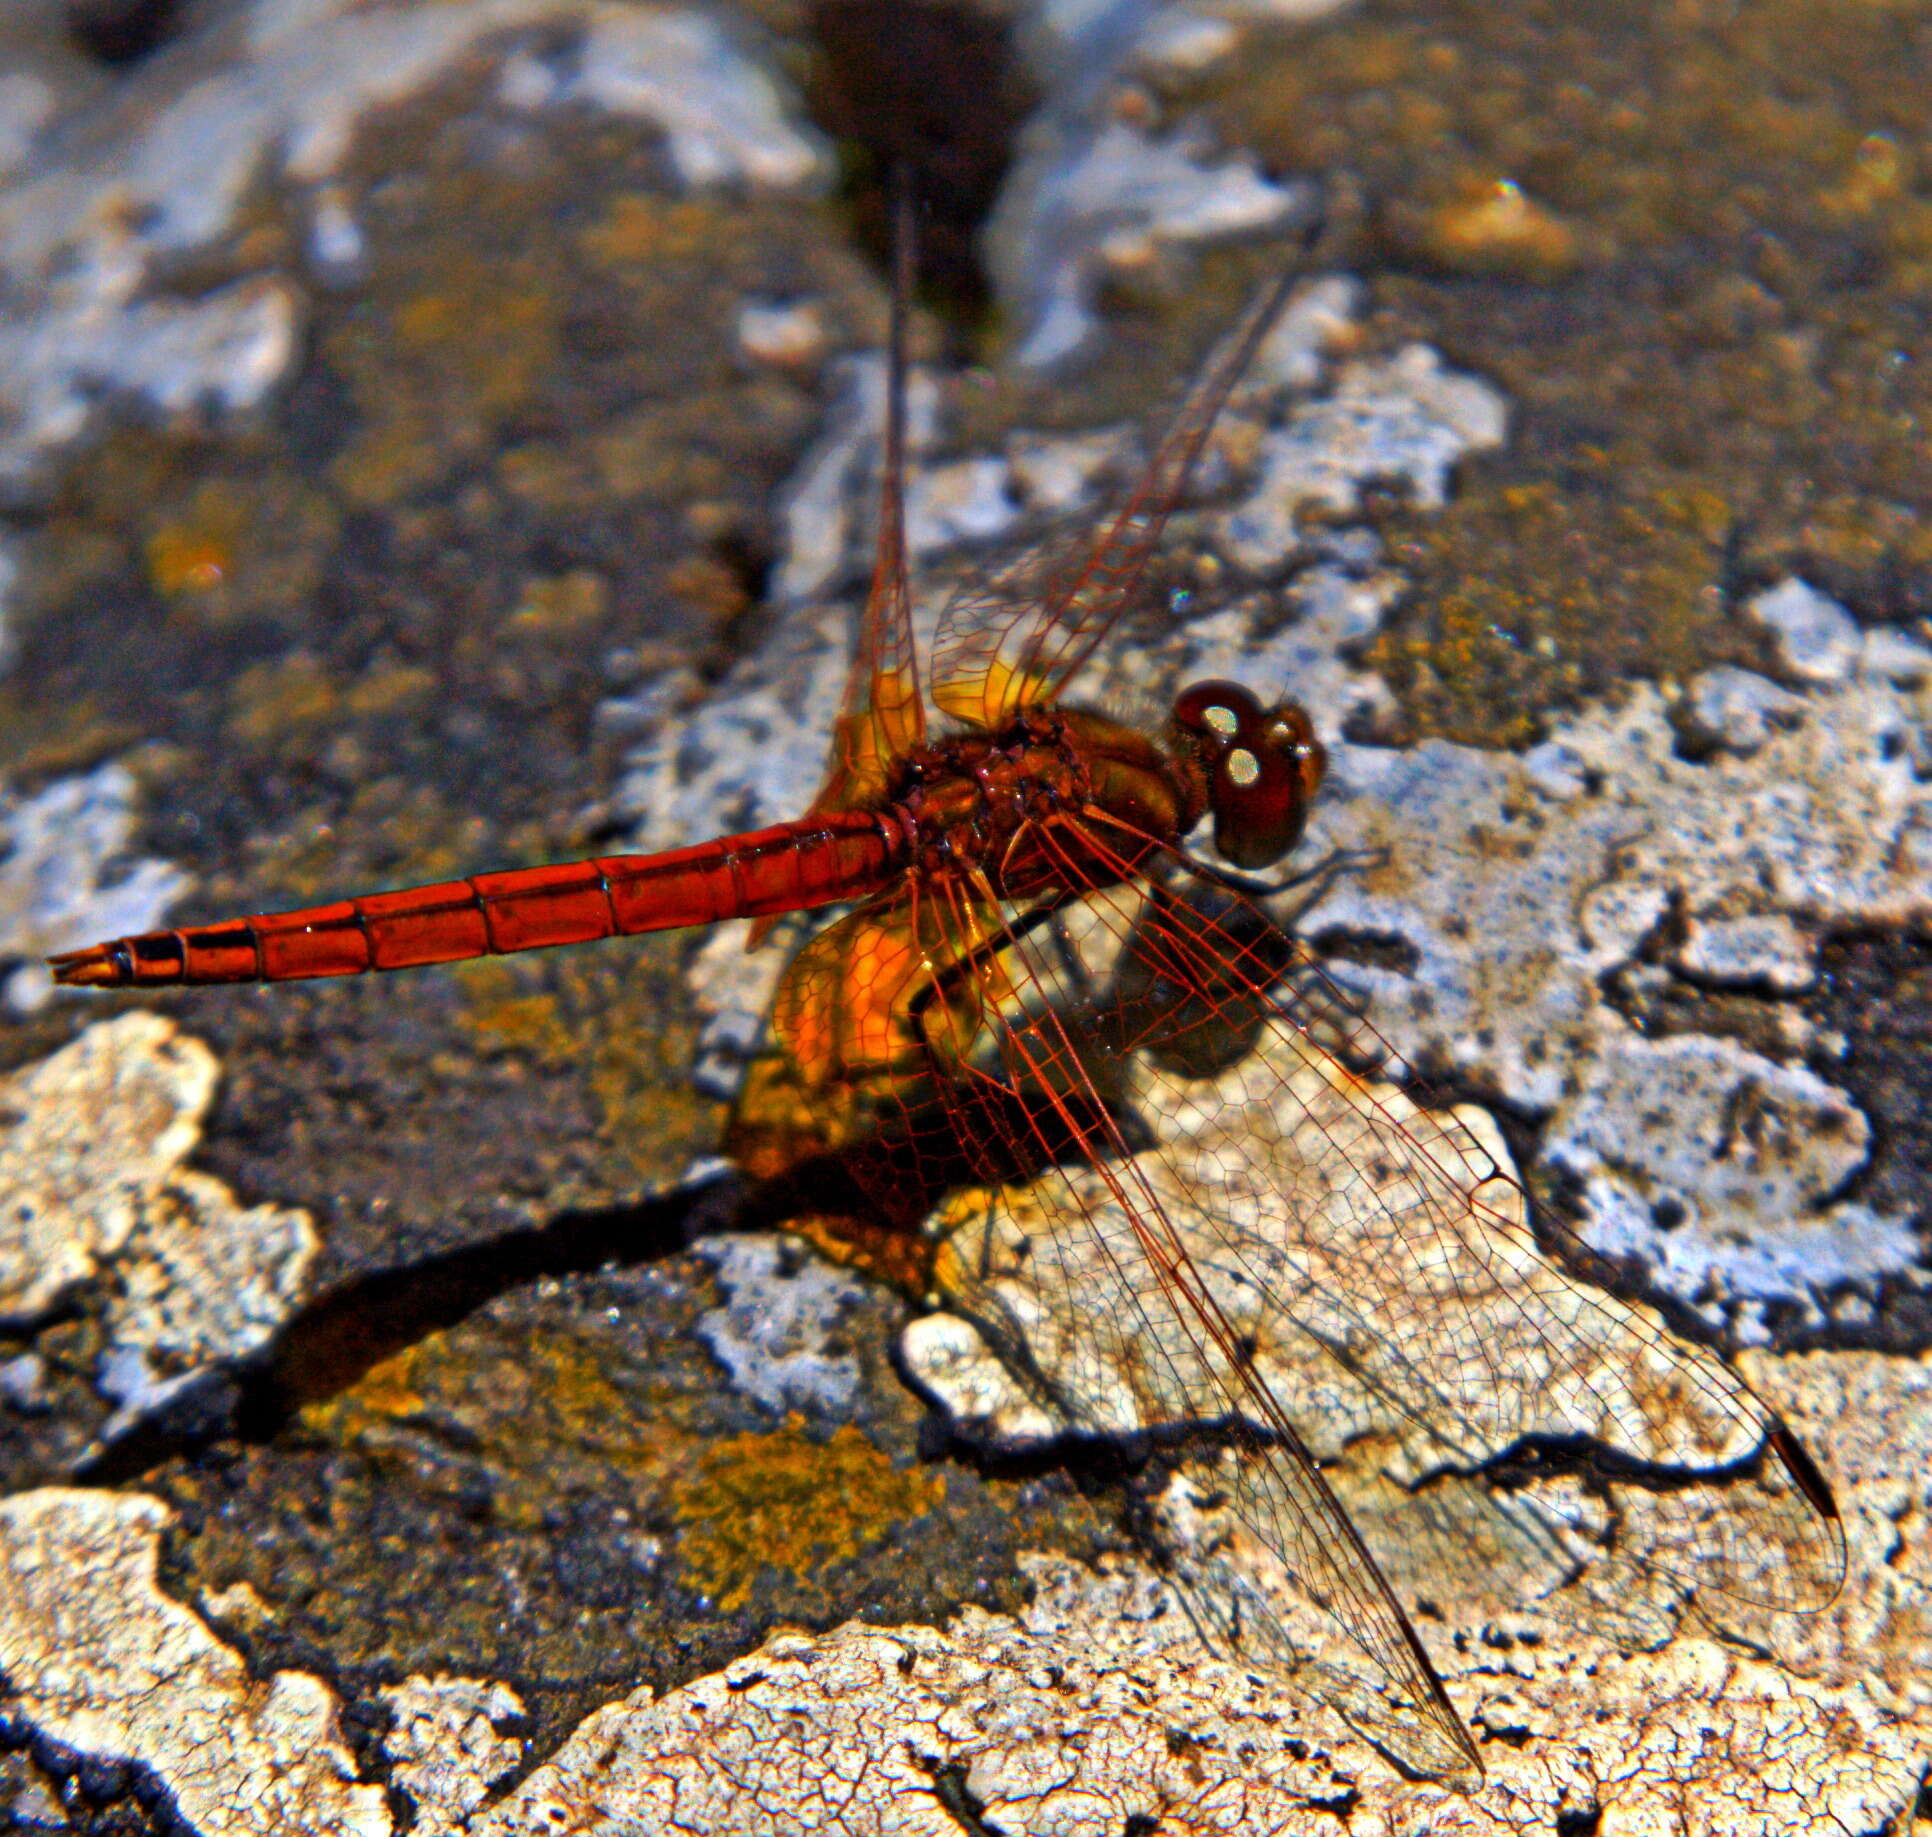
1059, 796
1259, 767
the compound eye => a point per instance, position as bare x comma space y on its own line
1215, 711
1260, 765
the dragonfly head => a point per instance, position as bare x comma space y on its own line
1259, 767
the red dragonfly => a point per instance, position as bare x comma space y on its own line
969, 811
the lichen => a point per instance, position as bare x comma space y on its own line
65, 873
541, 1415
447, 1748
790, 1501
615, 1022
101, 1659
1705, 397
1094, 1710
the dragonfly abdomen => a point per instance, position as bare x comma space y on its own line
786, 868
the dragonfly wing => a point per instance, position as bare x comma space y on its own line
1382, 1250
1394, 1246
1247, 1233
1014, 640
1129, 1339
883, 714
985, 651
1124, 1304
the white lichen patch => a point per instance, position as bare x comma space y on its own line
447, 1746
1761, 949
962, 501
726, 119
784, 1308
92, 1136
1403, 419
92, 1183
1551, 903
827, 503
65, 876
1081, 202
1690, 1146
100, 1659
1101, 184
200, 1280
787, 333
1321, 315
1096, 1706
1737, 708
270, 87
1304, 632
1817, 640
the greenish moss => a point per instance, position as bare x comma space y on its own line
1692, 245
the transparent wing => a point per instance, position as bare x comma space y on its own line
1125, 1302
1013, 639
882, 715
1234, 1218
1389, 1246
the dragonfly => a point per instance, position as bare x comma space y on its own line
941, 1034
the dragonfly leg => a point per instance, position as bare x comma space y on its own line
947, 982
1318, 876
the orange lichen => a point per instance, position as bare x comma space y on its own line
194, 553
386, 1393
1493, 226
888, 1253
562, 603
641, 226
457, 355
714, 592
787, 1501
1491, 643
388, 688
273, 701
540, 1412
185, 561
1880, 175
615, 1019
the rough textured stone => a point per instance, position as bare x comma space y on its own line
92, 1146
100, 1659
1095, 1708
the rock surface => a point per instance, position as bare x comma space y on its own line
439, 438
